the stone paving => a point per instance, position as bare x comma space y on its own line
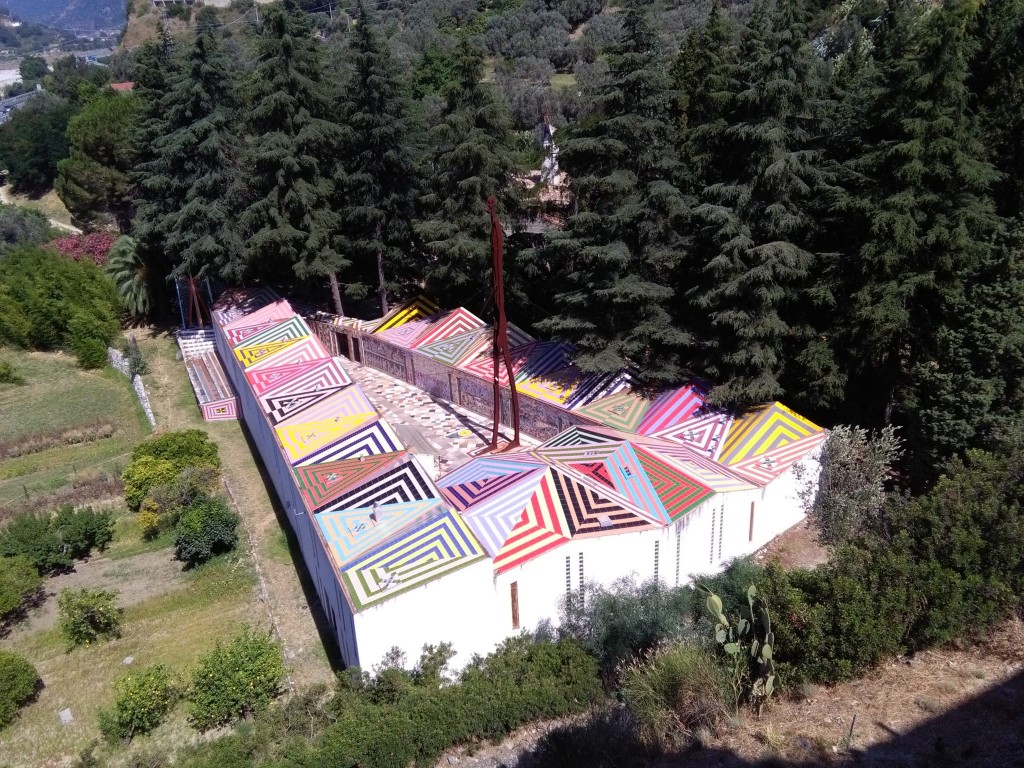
454, 434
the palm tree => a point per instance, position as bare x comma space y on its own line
130, 275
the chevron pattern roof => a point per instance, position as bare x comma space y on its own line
405, 334
622, 410
672, 407
405, 481
320, 484
276, 310
296, 351
540, 528
238, 335
292, 328
544, 357
308, 375
372, 438
704, 432
483, 365
249, 356
454, 349
765, 467
451, 324
349, 533
415, 309
591, 512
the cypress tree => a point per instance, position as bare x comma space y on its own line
625, 237
472, 159
750, 273
378, 180
286, 217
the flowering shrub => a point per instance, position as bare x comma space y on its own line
93, 247
143, 699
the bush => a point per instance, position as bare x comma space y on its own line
82, 530
35, 537
143, 700
19, 580
18, 683
8, 374
21, 226
188, 448
236, 680
673, 692
149, 522
52, 303
142, 474
137, 365
208, 527
87, 615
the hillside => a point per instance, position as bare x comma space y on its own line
77, 15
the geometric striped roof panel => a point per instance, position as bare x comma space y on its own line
494, 506
555, 387
375, 437
483, 365
541, 527
320, 484
345, 402
544, 357
289, 404
591, 510
352, 532
239, 303
432, 549
308, 375
249, 356
238, 335
276, 310
670, 408
764, 430
292, 328
456, 348
402, 481
622, 410
302, 439
304, 350
456, 322
704, 432
406, 334
414, 309
762, 468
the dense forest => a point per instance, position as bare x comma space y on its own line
800, 201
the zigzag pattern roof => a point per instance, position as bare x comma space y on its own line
557, 387
372, 438
277, 310
305, 376
320, 484
349, 533
540, 528
483, 366
234, 304
703, 432
670, 408
237, 335
544, 357
405, 334
622, 410
249, 356
295, 351
404, 482
292, 328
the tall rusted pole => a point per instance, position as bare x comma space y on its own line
500, 347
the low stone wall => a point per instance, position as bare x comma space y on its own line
119, 363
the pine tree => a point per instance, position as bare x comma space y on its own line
997, 84
623, 241
378, 180
195, 161
750, 272
924, 184
472, 159
287, 219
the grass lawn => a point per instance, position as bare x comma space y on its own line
49, 205
57, 395
173, 629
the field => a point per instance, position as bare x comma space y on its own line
57, 397
171, 616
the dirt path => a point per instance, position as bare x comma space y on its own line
5, 198
136, 579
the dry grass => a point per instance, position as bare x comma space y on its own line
48, 204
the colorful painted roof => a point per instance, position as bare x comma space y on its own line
762, 431
414, 309
237, 303
428, 551
320, 484
450, 324
455, 349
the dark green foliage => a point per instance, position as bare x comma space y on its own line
131, 276
623, 622
472, 159
9, 374
75, 80
378, 178
33, 68
52, 302
142, 474
86, 616
35, 538
143, 699
82, 530
394, 718
93, 181
193, 165
623, 242
749, 275
33, 141
206, 528
236, 680
21, 226
19, 581
18, 683
288, 222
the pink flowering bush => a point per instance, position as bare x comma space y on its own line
93, 247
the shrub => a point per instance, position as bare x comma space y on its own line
19, 580
82, 530
18, 683
149, 522
143, 700
92, 247
171, 499
208, 527
51, 303
8, 374
673, 692
188, 448
137, 365
236, 680
35, 537
87, 615
142, 474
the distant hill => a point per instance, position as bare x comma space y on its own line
76, 15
